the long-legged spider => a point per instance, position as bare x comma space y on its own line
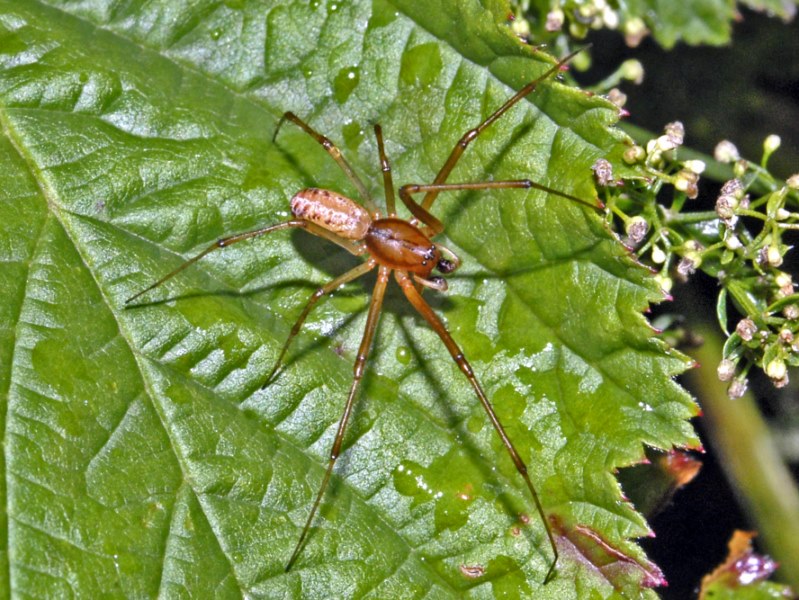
390, 244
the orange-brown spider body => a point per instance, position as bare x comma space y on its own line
391, 244
332, 211
399, 245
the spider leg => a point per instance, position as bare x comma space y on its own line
358, 369
406, 283
434, 226
222, 243
322, 291
436, 283
334, 153
388, 181
470, 135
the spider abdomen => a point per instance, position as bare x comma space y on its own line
332, 211
399, 245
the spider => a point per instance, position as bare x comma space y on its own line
390, 245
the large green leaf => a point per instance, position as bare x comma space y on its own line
669, 21
141, 456
699, 21
691, 21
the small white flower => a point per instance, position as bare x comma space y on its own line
776, 369
746, 328
726, 152
726, 370
773, 256
737, 388
636, 229
603, 171
771, 143
695, 166
733, 242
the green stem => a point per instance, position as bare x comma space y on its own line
692, 217
736, 429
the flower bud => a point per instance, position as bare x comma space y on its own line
733, 242
619, 98
746, 328
610, 17
739, 168
632, 70
793, 182
737, 389
725, 207
658, 256
603, 171
784, 280
773, 256
771, 143
636, 229
672, 138
634, 154
695, 166
688, 264
726, 152
782, 382
734, 188
726, 370
555, 20
634, 31
521, 27
664, 282
776, 369
686, 182
585, 13
654, 154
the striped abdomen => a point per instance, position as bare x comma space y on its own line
334, 212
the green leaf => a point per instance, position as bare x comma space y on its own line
691, 21
143, 458
694, 22
784, 9
698, 22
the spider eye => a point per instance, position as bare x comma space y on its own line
445, 266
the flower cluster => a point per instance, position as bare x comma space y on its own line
740, 243
578, 17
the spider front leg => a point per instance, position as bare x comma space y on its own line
415, 298
358, 370
472, 134
348, 245
434, 226
219, 244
